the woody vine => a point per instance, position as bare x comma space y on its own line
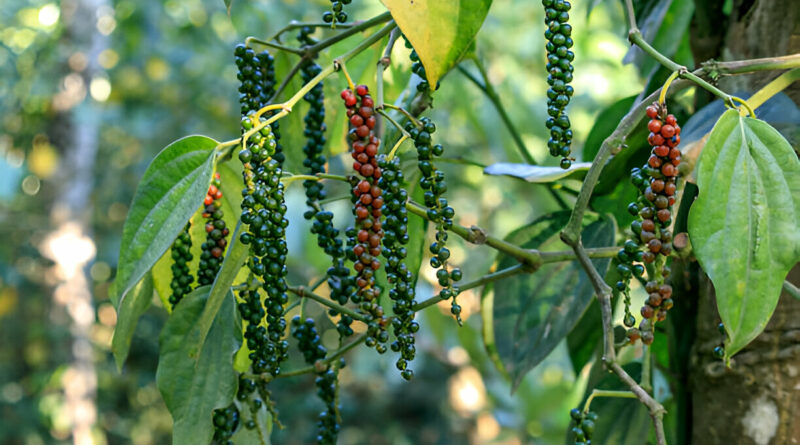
207, 228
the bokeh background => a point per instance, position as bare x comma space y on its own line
91, 90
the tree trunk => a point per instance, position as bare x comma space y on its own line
757, 400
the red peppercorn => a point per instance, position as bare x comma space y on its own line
652, 111
661, 150
362, 90
654, 125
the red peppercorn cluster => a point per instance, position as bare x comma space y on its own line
216, 234
367, 194
657, 184
368, 200
665, 135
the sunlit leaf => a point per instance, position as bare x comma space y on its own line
744, 226
192, 387
441, 31
169, 193
538, 173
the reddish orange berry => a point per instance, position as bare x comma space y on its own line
667, 131
669, 170
670, 120
654, 125
652, 111
661, 150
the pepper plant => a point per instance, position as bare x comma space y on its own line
217, 211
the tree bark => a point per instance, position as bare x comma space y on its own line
757, 400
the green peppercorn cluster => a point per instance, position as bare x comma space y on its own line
365, 237
582, 426
257, 86
181, 254
340, 283
657, 185
418, 69
216, 234
397, 273
559, 69
313, 351
263, 214
252, 395
226, 421
336, 14
439, 212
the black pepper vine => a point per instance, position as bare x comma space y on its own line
438, 210
336, 13
216, 234
340, 283
182, 278
313, 351
402, 279
365, 238
652, 240
559, 69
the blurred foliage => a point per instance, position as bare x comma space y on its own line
169, 72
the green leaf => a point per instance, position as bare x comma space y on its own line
228, 4
193, 387
169, 193
441, 31
586, 337
537, 173
231, 178
744, 224
231, 266
128, 315
536, 311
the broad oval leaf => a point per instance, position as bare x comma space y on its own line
441, 31
193, 387
170, 191
745, 224
128, 317
535, 312
538, 173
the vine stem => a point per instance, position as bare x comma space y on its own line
274, 45
302, 292
313, 368
606, 393
297, 25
